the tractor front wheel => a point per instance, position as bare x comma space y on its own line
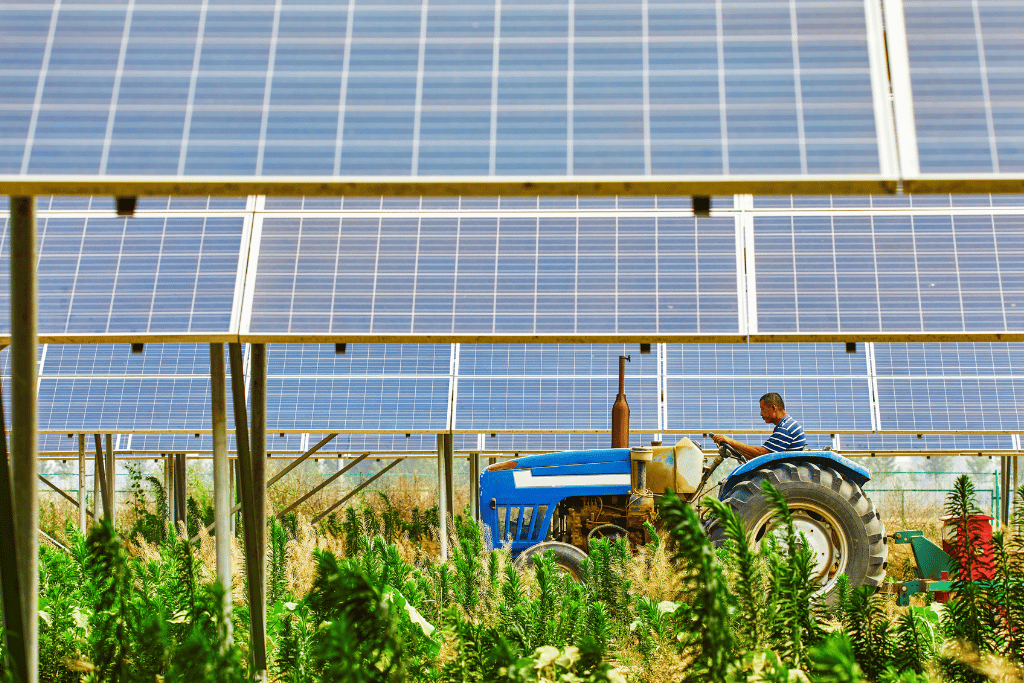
841, 527
568, 558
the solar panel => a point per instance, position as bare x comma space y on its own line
318, 404
118, 360
157, 403
402, 276
966, 66
889, 273
106, 275
475, 89
321, 360
717, 386
947, 360
964, 443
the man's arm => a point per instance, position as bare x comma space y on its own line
746, 450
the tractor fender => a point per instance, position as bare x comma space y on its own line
850, 470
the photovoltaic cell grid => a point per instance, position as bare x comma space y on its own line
948, 360
889, 201
664, 202
956, 387
131, 275
716, 386
552, 386
885, 273
554, 360
304, 360
398, 275
950, 386
478, 88
965, 443
966, 67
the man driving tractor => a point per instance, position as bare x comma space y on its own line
788, 434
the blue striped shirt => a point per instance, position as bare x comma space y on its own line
788, 436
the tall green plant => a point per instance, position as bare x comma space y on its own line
358, 641
793, 599
208, 653
109, 585
708, 630
277, 577
749, 582
151, 525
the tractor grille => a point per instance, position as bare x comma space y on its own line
520, 523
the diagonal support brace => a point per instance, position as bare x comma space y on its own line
357, 489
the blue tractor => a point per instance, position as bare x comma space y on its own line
562, 501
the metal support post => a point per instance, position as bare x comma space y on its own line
254, 572
169, 487
111, 471
180, 490
258, 448
442, 504
234, 497
100, 487
24, 447
9, 580
474, 485
83, 520
449, 476
221, 475
1005, 492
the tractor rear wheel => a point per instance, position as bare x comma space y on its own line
568, 558
841, 527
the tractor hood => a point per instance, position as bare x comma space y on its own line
604, 467
677, 467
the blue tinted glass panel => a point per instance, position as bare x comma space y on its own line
486, 275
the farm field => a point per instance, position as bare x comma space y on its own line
363, 597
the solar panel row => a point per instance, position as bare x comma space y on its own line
479, 88
393, 275
913, 388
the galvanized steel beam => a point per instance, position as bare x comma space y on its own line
221, 475
9, 571
443, 473
302, 458
458, 186
111, 472
82, 518
258, 448
24, 446
474, 485
180, 490
319, 487
100, 482
356, 490
257, 616
83, 510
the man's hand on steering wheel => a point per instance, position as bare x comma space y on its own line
726, 449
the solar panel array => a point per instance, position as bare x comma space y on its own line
456, 88
504, 88
523, 275
525, 397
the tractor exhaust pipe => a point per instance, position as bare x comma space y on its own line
620, 410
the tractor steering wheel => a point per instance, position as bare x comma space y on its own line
727, 451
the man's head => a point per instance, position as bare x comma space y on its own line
772, 408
